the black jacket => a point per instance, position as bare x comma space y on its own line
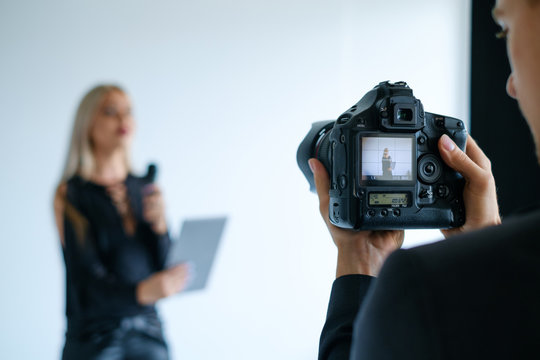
474, 296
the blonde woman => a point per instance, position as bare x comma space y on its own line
114, 238
386, 165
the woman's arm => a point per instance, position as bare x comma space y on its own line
81, 255
59, 207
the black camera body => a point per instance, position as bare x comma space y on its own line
384, 164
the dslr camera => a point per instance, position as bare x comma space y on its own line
384, 164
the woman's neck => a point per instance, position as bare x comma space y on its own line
109, 167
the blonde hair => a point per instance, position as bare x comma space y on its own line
80, 159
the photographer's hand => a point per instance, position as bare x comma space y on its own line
479, 194
359, 252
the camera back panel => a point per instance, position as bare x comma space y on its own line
385, 167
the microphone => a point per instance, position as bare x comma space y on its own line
149, 179
151, 173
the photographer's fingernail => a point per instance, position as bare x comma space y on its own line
447, 143
311, 165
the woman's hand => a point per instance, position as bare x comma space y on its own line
479, 194
163, 284
359, 252
154, 209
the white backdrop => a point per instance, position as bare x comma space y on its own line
223, 93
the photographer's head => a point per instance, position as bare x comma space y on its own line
520, 26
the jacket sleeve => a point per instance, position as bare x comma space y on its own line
161, 244
396, 320
348, 293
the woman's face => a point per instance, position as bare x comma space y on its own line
112, 126
521, 22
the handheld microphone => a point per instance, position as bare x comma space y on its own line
151, 173
149, 179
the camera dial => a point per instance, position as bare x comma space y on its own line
429, 169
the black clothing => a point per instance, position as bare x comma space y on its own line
387, 167
129, 338
473, 296
104, 263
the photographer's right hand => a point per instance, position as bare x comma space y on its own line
479, 194
359, 252
163, 284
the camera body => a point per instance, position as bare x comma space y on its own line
384, 165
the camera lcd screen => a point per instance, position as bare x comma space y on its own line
389, 199
387, 158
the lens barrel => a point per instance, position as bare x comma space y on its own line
316, 144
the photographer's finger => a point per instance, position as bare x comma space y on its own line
457, 159
322, 184
477, 155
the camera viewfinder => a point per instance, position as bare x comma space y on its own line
404, 115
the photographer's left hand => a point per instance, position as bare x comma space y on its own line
154, 209
359, 252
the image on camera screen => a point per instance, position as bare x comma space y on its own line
387, 158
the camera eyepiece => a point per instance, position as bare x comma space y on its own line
404, 115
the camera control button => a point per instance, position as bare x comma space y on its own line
343, 182
371, 212
397, 212
439, 122
335, 213
421, 140
426, 194
443, 191
384, 212
429, 168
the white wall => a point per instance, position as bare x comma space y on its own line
223, 94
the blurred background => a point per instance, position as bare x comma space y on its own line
223, 93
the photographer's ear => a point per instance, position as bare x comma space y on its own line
510, 88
